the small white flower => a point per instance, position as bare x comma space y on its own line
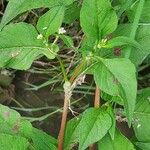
44, 28
62, 31
40, 36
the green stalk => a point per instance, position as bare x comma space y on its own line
78, 70
135, 24
62, 68
60, 61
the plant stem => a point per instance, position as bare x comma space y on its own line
78, 70
97, 98
92, 147
96, 105
62, 68
56, 39
135, 24
63, 125
66, 102
65, 107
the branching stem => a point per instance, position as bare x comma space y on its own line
66, 100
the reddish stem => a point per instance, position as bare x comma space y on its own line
63, 125
92, 147
97, 98
65, 108
96, 105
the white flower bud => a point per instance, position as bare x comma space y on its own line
62, 31
40, 36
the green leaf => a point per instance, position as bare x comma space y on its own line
8, 142
87, 46
12, 123
142, 37
117, 77
143, 146
142, 116
124, 5
20, 46
110, 98
145, 17
93, 126
42, 141
72, 13
113, 127
71, 136
51, 21
121, 41
15, 8
67, 40
120, 142
98, 18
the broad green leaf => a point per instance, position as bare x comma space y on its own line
71, 136
98, 18
16, 7
51, 21
42, 141
113, 127
145, 17
124, 5
20, 46
88, 47
111, 98
12, 123
143, 146
142, 37
72, 13
9, 142
95, 123
120, 142
117, 77
121, 41
67, 40
142, 116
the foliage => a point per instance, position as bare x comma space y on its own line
17, 133
114, 45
